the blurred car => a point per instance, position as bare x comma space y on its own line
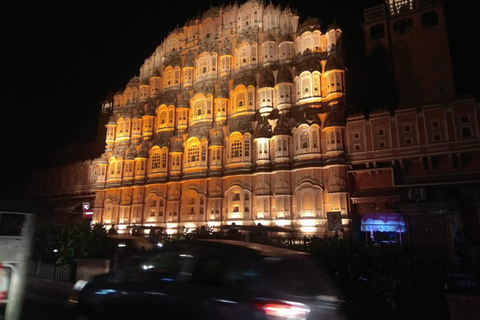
131, 243
212, 279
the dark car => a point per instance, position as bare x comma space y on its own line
212, 279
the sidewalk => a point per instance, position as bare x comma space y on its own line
464, 306
48, 289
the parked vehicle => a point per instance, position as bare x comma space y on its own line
212, 279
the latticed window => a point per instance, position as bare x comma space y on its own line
156, 161
199, 108
193, 153
247, 148
315, 139
250, 98
164, 160
304, 139
236, 149
153, 208
306, 86
241, 100
163, 117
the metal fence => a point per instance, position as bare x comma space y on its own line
38, 269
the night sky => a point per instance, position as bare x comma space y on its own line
60, 61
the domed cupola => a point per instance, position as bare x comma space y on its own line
282, 127
150, 110
216, 138
161, 142
189, 60
177, 144
137, 113
131, 153
309, 65
309, 117
333, 129
310, 24
246, 79
155, 74
267, 79
334, 63
222, 92
134, 82
285, 38
143, 151
112, 121
263, 129
212, 13
269, 38
334, 36
284, 75
184, 101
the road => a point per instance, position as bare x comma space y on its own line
37, 307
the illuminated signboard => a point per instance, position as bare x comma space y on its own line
87, 210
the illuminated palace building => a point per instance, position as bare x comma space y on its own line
240, 116
236, 117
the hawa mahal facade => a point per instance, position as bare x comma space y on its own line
238, 117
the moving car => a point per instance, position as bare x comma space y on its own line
212, 279
131, 243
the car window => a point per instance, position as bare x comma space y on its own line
294, 275
160, 267
209, 269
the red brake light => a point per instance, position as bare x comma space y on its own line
284, 310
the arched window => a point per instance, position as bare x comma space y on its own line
309, 198
155, 160
236, 148
304, 139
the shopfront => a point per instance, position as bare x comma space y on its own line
383, 227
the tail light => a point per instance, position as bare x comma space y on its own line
280, 310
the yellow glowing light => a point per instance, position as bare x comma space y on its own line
307, 229
307, 223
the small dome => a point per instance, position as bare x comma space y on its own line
267, 79
263, 129
155, 74
177, 144
334, 63
333, 26
282, 127
143, 152
217, 137
211, 13
310, 24
223, 91
309, 65
184, 101
133, 82
268, 38
284, 75
285, 38
189, 60
131, 153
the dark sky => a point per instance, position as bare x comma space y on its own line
60, 61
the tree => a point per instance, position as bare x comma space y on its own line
63, 244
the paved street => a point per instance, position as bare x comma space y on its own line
36, 307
